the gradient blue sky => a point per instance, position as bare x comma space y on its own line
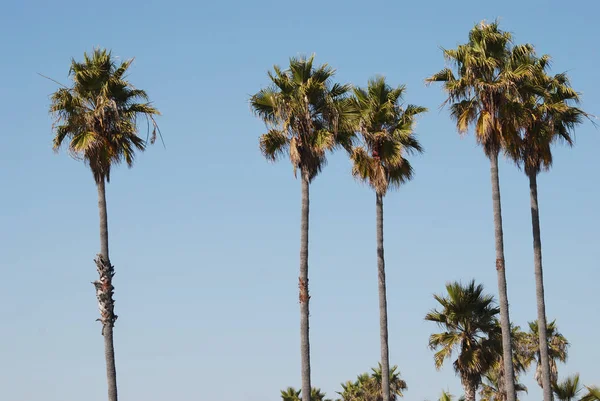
205, 233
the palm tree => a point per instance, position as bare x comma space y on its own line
97, 116
550, 116
304, 113
492, 386
386, 128
477, 91
557, 346
468, 316
367, 387
593, 394
291, 394
568, 389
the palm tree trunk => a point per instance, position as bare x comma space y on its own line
383, 323
303, 287
539, 288
502, 293
104, 293
470, 391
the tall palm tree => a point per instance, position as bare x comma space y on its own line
97, 116
550, 114
478, 90
568, 389
304, 113
468, 317
557, 349
367, 387
386, 129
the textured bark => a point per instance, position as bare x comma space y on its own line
303, 287
104, 293
502, 292
383, 322
539, 289
470, 391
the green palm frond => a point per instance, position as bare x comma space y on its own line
386, 129
568, 389
593, 394
308, 112
98, 114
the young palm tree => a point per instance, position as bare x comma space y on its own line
492, 386
97, 115
548, 104
386, 128
478, 91
367, 387
593, 394
568, 389
305, 116
557, 350
468, 317
291, 394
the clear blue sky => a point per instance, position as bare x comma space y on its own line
205, 233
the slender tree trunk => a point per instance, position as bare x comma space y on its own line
539, 289
303, 287
503, 295
104, 293
383, 323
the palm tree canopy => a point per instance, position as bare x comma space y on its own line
468, 317
568, 389
549, 112
478, 81
305, 113
291, 394
387, 131
98, 114
557, 348
593, 394
367, 387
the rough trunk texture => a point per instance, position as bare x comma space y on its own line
104, 293
303, 287
502, 293
539, 289
470, 391
383, 323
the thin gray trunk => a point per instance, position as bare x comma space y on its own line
303, 287
104, 293
383, 323
539, 289
502, 293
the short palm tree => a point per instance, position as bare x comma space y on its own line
367, 387
568, 389
550, 116
593, 394
291, 394
468, 316
492, 386
478, 90
557, 346
305, 115
97, 117
387, 132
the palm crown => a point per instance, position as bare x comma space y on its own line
387, 135
306, 115
98, 113
468, 316
484, 76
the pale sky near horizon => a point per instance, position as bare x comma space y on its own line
204, 234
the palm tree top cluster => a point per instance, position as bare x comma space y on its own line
500, 91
